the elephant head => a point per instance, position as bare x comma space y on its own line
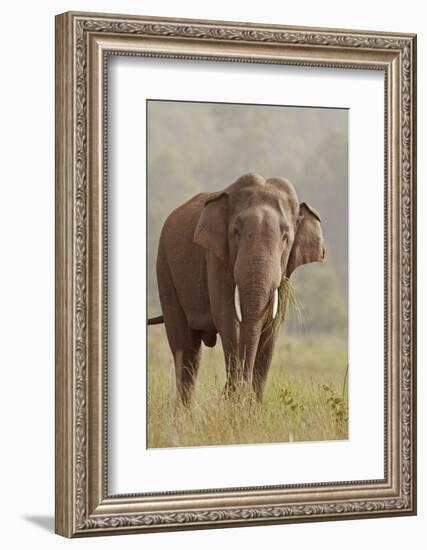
260, 232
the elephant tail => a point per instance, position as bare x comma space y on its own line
156, 320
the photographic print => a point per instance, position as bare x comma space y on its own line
247, 283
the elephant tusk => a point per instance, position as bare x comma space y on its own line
275, 303
237, 304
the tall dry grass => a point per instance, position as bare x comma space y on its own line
305, 397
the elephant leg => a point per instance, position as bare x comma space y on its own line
262, 363
232, 365
187, 361
185, 343
232, 373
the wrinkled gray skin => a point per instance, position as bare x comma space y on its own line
250, 234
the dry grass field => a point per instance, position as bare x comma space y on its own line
306, 397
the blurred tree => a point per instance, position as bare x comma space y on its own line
322, 305
325, 176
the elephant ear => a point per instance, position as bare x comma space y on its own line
308, 244
211, 230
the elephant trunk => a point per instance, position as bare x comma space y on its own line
253, 305
257, 275
248, 347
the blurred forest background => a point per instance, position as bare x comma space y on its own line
194, 147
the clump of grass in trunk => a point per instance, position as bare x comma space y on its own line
287, 297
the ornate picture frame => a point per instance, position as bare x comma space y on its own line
84, 42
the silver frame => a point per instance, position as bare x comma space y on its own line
83, 43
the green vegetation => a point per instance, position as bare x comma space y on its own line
305, 397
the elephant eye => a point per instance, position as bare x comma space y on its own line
285, 236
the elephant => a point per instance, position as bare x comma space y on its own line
221, 259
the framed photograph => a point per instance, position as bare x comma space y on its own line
235, 274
